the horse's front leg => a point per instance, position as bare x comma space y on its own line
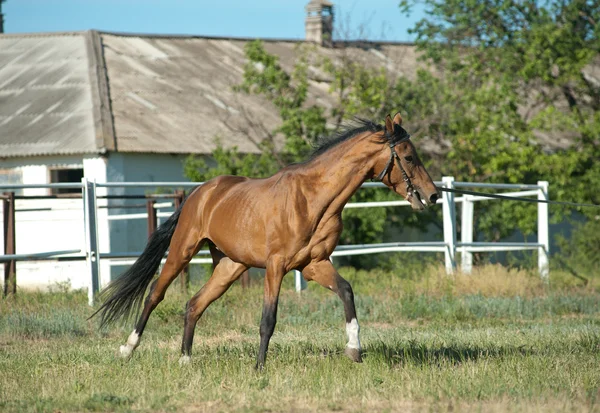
326, 275
273, 278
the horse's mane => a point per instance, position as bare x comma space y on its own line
357, 126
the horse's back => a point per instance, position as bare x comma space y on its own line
238, 215
210, 194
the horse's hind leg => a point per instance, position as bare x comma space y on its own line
326, 275
225, 272
273, 278
185, 244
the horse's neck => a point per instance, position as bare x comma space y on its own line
340, 171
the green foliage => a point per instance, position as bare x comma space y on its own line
229, 161
582, 247
360, 91
504, 73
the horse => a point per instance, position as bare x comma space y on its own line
289, 221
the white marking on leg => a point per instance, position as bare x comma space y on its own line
132, 342
184, 360
134, 339
352, 329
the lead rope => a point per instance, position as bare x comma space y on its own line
515, 198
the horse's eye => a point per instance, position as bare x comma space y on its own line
408, 159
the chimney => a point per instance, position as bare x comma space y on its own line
319, 22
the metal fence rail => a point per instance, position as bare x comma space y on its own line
449, 245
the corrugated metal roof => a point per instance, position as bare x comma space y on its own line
175, 94
45, 95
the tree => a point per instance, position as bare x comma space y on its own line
506, 73
533, 57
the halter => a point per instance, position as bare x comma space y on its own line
394, 155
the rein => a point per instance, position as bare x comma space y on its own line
515, 198
394, 156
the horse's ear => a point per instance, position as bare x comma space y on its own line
389, 125
397, 119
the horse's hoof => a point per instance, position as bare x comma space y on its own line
125, 351
184, 360
353, 354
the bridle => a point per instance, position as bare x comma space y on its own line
410, 189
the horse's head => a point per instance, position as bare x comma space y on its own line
401, 169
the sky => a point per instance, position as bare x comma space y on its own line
236, 18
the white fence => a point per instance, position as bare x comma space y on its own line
449, 245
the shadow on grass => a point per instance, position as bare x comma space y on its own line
420, 354
412, 352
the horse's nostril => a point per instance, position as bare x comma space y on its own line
433, 198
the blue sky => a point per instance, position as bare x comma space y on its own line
238, 18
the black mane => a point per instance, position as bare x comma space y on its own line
354, 128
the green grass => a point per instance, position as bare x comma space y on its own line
496, 341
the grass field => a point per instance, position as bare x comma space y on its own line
494, 341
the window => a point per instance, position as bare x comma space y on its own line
64, 176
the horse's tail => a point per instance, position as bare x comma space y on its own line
125, 294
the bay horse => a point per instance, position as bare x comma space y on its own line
289, 221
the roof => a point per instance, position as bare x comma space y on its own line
93, 92
46, 96
176, 94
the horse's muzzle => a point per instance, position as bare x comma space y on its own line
421, 200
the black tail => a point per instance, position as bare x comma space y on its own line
125, 294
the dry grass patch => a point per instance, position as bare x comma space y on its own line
498, 281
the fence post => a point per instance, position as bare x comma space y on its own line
184, 277
300, 281
152, 217
91, 236
10, 267
466, 233
543, 232
449, 213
